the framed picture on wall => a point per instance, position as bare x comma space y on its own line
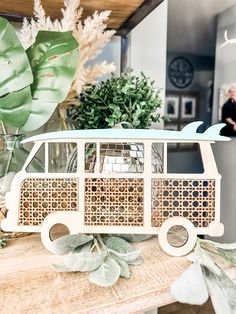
172, 106
188, 107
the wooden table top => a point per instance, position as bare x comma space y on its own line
28, 284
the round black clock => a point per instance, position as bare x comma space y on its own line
180, 72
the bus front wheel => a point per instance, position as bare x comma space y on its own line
177, 236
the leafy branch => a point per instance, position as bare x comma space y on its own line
126, 98
106, 258
205, 278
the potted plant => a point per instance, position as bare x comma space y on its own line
127, 98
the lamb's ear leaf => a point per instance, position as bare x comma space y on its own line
68, 243
107, 274
222, 291
190, 287
53, 58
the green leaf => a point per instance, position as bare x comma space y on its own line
83, 248
16, 73
61, 268
190, 287
39, 114
53, 58
118, 244
135, 237
124, 268
200, 256
107, 274
68, 243
83, 261
128, 257
225, 250
15, 107
222, 292
137, 262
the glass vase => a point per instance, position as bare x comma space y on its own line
12, 157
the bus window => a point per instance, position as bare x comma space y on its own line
37, 163
122, 157
58, 162
90, 156
157, 157
115, 157
185, 159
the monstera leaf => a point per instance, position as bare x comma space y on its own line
32, 83
53, 58
15, 78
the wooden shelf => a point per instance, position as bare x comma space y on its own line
30, 285
124, 17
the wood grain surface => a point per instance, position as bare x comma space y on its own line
121, 9
29, 285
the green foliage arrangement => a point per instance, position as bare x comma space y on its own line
205, 278
126, 98
35, 81
106, 258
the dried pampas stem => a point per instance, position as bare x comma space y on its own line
91, 35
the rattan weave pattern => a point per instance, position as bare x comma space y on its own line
40, 197
114, 202
193, 199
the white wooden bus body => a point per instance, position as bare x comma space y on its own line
75, 219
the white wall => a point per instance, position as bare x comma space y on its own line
225, 59
148, 47
225, 73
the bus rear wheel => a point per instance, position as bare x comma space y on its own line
177, 236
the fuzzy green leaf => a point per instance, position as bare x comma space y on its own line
68, 243
61, 268
222, 292
190, 287
128, 257
83, 248
225, 250
107, 274
16, 73
118, 245
124, 268
137, 262
83, 261
200, 256
135, 237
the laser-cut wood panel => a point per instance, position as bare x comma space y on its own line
114, 202
40, 197
192, 199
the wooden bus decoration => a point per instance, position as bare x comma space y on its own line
120, 181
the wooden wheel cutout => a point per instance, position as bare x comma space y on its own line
180, 250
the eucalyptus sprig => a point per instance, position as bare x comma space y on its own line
206, 278
125, 98
106, 258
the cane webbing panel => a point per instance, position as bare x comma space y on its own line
40, 197
192, 199
114, 202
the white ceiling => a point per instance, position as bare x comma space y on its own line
192, 25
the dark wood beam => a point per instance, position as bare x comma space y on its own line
137, 16
13, 17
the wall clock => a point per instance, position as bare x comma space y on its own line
180, 72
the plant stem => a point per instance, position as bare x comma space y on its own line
3, 127
17, 131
